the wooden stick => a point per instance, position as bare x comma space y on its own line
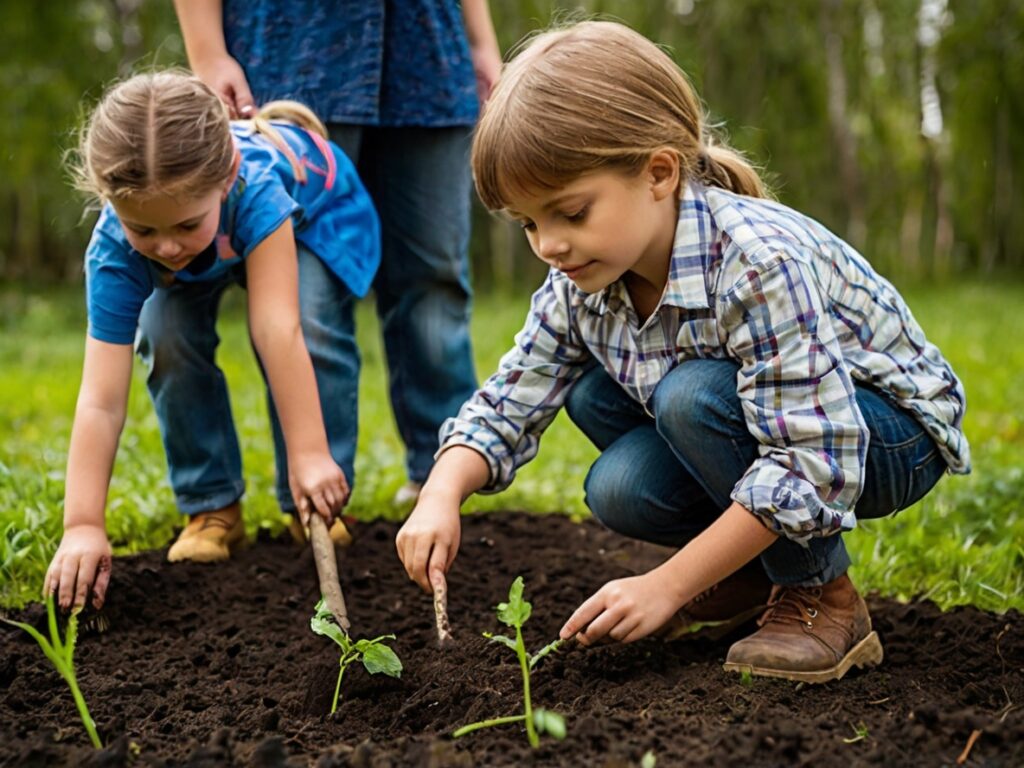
327, 570
975, 734
444, 630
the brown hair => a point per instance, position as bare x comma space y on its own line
167, 132
595, 96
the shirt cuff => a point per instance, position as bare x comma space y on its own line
485, 442
789, 504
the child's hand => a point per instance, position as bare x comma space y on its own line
429, 540
624, 610
318, 485
82, 562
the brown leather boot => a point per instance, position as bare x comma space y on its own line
723, 607
811, 634
210, 536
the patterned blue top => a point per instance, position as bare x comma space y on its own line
363, 62
331, 212
752, 281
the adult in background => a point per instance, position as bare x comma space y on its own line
399, 84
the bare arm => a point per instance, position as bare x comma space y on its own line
629, 609
316, 481
483, 45
82, 560
429, 540
202, 27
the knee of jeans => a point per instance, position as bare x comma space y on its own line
442, 326
159, 348
695, 395
612, 493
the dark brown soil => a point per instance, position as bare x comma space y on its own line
215, 665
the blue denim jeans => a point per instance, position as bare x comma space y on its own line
178, 340
420, 182
665, 479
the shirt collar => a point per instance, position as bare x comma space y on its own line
695, 245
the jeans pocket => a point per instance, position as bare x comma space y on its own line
923, 477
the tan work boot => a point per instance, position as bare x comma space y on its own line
338, 531
723, 607
810, 634
210, 536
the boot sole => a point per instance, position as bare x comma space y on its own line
866, 653
712, 630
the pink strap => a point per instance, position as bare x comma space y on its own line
325, 150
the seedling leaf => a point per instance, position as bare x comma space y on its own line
323, 623
379, 658
549, 722
516, 611
506, 641
549, 648
649, 760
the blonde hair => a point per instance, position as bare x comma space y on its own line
595, 96
168, 133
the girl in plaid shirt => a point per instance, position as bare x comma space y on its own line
755, 387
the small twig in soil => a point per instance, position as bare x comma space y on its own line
444, 630
880, 701
975, 735
999, 653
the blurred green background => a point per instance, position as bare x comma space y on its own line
898, 124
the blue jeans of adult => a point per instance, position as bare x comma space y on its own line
178, 340
420, 182
667, 478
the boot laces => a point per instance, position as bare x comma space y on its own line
798, 605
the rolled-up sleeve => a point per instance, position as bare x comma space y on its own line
505, 418
798, 401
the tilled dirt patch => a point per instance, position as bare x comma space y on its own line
215, 665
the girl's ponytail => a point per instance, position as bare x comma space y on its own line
290, 112
720, 166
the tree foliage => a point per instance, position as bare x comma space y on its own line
826, 95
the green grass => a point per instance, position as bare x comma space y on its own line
963, 544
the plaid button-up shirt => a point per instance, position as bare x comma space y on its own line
753, 281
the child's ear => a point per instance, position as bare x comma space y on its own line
663, 173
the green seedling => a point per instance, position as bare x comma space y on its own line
61, 655
374, 654
860, 732
514, 613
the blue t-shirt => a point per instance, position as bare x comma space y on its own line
331, 212
362, 62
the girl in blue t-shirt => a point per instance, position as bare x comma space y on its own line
193, 203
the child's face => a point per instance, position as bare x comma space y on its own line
170, 230
600, 226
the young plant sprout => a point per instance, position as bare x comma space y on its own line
61, 655
514, 613
374, 654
